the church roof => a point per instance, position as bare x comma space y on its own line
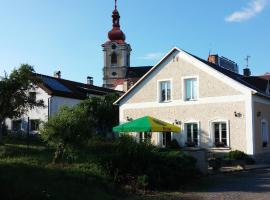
71, 89
137, 72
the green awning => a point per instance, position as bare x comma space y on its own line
146, 124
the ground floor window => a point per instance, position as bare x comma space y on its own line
166, 139
16, 125
192, 134
264, 130
220, 134
34, 125
145, 137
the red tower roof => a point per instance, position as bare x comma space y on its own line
116, 34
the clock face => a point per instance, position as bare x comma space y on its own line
116, 21
114, 73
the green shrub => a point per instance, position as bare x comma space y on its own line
236, 155
128, 160
239, 155
174, 144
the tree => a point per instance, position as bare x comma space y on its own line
104, 114
15, 99
70, 128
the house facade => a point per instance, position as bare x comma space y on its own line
216, 108
54, 92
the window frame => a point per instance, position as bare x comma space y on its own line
267, 135
184, 79
212, 132
31, 123
159, 90
116, 57
198, 131
20, 126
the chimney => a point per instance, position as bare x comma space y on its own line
246, 72
213, 59
90, 80
57, 74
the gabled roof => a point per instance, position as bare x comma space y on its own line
71, 89
256, 84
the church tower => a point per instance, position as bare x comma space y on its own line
116, 54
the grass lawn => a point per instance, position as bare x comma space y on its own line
26, 173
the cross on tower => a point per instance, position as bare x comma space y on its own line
247, 60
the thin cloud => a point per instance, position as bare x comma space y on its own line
152, 56
251, 10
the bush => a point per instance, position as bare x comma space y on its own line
129, 160
239, 155
236, 155
174, 144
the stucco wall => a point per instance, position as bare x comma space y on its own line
175, 70
204, 114
261, 111
57, 102
40, 113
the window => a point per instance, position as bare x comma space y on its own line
145, 137
16, 125
264, 130
165, 91
220, 134
191, 92
114, 58
33, 96
166, 139
192, 134
34, 125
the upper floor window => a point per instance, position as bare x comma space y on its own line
264, 132
165, 91
114, 58
191, 89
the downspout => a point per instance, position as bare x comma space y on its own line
49, 108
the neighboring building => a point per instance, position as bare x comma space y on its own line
224, 62
216, 108
117, 73
55, 92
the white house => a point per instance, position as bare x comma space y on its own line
217, 108
55, 92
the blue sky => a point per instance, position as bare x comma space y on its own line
67, 35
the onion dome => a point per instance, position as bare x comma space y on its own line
116, 34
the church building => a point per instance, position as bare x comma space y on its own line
117, 72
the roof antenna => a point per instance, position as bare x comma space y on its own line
247, 60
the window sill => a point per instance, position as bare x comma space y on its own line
190, 100
165, 101
220, 148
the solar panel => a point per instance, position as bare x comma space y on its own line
54, 84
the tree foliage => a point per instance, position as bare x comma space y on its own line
103, 113
70, 128
73, 126
15, 99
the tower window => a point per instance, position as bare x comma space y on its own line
114, 58
113, 46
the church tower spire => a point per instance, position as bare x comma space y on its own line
116, 54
